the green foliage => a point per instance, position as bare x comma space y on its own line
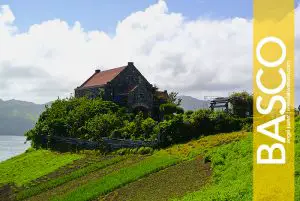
208, 122
242, 104
141, 151
183, 127
93, 119
138, 129
147, 127
174, 99
172, 131
24, 168
170, 108
86, 119
145, 150
101, 125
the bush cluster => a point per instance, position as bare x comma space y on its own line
90, 120
94, 119
184, 127
141, 151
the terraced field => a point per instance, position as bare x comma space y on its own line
171, 173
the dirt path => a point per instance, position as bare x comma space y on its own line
174, 181
69, 186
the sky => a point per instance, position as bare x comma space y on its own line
197, 48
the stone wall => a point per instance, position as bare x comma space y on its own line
91, 92
131, 82
69, 144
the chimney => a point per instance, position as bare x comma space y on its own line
97, 71
130, 63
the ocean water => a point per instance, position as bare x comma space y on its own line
11, 146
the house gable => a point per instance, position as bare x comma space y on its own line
129, 78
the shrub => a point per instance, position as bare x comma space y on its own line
93, 119
101, 126
148, 128
201, 122
74, 117
170, 109
172, 131
242, 104
145, 150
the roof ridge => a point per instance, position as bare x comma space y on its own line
112, 69
102, 77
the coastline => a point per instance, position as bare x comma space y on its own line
12, 145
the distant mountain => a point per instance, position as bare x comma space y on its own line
190, 103
16, 117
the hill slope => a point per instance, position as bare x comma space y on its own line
190, 103
16, 117
168, 173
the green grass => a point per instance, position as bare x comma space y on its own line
197, 147
230, 156
31, 165
61, 180
232, 174
106, 184
174, 181
177, 180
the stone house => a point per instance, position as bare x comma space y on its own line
125, 86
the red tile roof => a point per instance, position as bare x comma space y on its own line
102, 77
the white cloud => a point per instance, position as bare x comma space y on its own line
198, 58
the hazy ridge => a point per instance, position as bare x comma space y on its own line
16, 117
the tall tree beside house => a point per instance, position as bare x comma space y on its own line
242, 104
174, 99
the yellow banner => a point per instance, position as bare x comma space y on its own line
273, 86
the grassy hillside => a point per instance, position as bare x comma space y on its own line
217, 167
29, 166
45, 175
232, 172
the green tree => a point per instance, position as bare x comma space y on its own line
148, 128
174, 99
167, 110
241, 104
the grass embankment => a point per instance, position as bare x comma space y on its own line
28, 166
68, 177
232, 172
200, 146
